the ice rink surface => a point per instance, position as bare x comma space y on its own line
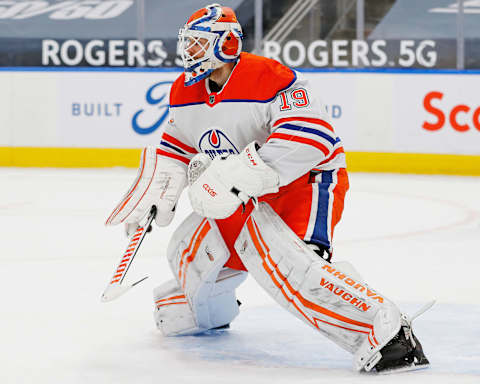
413, 238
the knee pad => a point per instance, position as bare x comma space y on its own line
202, 295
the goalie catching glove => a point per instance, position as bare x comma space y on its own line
159, 182
219, 187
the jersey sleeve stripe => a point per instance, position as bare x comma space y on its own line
178, 143
306, 120
168, 145
303, 140
330, 139
173, 156
304, 133
335, 153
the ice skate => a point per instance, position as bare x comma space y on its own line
403, 353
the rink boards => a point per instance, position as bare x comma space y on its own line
390, 121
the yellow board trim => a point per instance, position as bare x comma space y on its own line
420, 163
69, 157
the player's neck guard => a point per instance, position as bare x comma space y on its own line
211, 38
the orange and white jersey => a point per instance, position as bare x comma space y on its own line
262, 101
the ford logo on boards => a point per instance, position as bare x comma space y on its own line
156, 97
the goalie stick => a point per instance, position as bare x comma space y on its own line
115, 288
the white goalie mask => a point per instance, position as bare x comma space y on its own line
211, 38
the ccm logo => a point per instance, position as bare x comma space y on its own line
210, 190
452, 117
250, 157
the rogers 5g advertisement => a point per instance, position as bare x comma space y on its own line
128, 33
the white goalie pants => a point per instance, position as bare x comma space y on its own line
202, 294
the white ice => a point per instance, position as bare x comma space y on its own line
413, 238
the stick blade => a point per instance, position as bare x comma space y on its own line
114, 291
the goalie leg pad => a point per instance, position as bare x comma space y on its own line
172, 314
197, 254
331, 298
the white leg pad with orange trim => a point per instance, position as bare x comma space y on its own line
172, 314
331, 298
197, 254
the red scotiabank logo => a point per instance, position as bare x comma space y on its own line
471, 115
210, 190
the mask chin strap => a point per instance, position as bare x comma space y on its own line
195, 79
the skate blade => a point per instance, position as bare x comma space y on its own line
407, 368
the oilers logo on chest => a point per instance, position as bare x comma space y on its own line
215, 143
